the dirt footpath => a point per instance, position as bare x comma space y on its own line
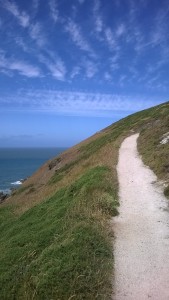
141, 231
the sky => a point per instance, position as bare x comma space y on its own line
69, 68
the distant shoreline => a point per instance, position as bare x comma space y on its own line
19, 163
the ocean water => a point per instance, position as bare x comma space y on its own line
19, 163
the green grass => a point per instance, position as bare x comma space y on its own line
61, 248
166, 191
57, 177
153, 153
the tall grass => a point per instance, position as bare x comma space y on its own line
61, 248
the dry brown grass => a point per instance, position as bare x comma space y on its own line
41, 190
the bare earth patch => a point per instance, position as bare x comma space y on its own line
141, 231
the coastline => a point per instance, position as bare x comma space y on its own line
16, 164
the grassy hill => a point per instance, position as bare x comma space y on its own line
56, 238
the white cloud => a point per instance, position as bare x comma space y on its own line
91, 68
107, 76
54, 10
54, 64
137, 38
97, 17
81, 1
155, 67
160, 29
21, 16
110, 39
58, 70
99, 24
133, 11
120, 30
36, 33
122, 80
23, 68
157, 37
76, 71
19, 41
35, 6
69, 103
77, 37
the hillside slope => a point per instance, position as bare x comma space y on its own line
56, 242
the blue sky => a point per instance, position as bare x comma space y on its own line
69, 68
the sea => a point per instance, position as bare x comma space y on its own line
17, 164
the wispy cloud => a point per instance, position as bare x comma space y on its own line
36, 33
154, 68
58, 70
133, 8
160, 29
122, 80
35, 29
107, 76
54, 64
54, 12
75, 72
20, 42
86, 67
120, 30
69, 103
81, 1
35, 6
110, 39
99, 24
97, 17
23, 68
77, 37
91, 68
21, 16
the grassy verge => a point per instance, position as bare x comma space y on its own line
61, 248
154, 154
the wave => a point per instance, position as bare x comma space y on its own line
16, 182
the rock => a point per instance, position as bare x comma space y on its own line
55, 162
3, 197
166, 168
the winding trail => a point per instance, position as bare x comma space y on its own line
141, 231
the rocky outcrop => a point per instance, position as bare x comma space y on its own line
3, 197
55, 162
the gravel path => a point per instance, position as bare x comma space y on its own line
141, 230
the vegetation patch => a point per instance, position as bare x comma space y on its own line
61, 248
56, 177
166, 191
155, 154
22, 189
